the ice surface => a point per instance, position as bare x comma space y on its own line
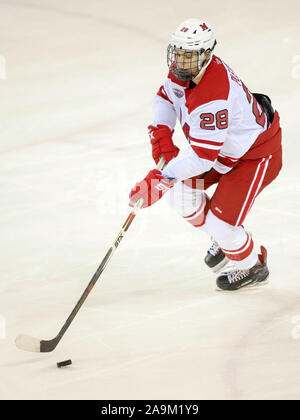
75, 104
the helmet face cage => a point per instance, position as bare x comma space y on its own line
184, 64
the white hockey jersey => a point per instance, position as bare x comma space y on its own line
220, 118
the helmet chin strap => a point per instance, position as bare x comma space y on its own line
197, 78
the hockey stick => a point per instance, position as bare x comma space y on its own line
29, 343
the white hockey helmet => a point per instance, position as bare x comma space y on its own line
191, 36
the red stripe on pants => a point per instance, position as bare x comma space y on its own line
257, 180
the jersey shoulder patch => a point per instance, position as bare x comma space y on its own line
212, 87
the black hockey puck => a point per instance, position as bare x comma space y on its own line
64, 363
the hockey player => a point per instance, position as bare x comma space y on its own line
234, 141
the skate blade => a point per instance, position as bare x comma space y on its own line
250, 286
219, 266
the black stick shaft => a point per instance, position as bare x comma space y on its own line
49, 345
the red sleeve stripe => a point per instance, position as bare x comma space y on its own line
162, 94
205, 146
226, 161
228, 157
213, 143
207, 154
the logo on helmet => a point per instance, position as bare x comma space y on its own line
204, 27
184, 29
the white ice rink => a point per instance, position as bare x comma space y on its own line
75, 105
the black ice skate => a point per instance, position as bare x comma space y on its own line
236, 279
215, 258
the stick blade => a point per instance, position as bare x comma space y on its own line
28, 343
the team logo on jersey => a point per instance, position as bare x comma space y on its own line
179, 93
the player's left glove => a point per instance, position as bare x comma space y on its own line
150, 189
162, 143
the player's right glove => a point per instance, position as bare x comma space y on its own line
162, 143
